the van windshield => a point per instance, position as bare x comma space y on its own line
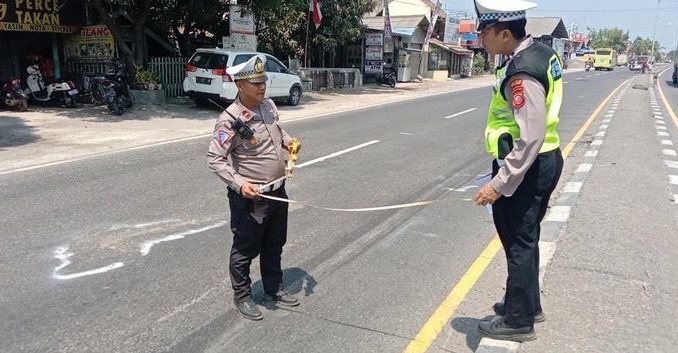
603, 52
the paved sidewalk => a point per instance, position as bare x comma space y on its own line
45, 135
611, 284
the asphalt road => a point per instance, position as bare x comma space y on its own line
128, 252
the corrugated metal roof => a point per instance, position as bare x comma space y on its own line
546, 26
377, 23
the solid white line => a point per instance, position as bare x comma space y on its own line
460, 113
335, 154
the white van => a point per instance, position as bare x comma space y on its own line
206, 77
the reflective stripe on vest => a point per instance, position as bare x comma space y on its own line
500, 118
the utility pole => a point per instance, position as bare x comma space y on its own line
654, 31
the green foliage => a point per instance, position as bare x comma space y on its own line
642, 46
614, 38
146, 79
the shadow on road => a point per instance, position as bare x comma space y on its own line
469, 327
15, 132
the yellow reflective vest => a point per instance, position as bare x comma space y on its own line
542, 63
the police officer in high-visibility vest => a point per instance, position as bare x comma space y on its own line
521, 135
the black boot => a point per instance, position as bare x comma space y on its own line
497, 329
249, 310
499, 310
283, 298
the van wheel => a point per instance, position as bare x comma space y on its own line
294, 97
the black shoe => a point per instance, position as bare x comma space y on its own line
282, 298
497, 329
499, 310
248, 310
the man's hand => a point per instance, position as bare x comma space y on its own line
249, 190
486, 195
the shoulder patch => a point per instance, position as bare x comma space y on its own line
556, 70
518, 92
224, 136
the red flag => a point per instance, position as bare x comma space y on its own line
317, 15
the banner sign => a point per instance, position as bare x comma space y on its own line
93, 42
373, 53
241, 21
372, 66
432, 25
245, 42
33, 16
373, 39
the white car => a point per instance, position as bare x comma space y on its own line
206, 77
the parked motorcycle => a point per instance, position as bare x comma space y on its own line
112, 90
61, 91
387, 78
13, 96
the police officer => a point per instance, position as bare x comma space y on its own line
248, 150
521, 135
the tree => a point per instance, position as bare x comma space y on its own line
643, 46
341, 25
282, 24
188, 21
112, 13
614, 38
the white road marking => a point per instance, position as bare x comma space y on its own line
600, 134
591, 153
661, 127
584, 167
573, 186
335, 154
63, 254
673, 179
669, 152
559, 214
142, 225
460, 113
405, 133
660, 122
671, 164
146, 246
667, 143
603, 127
597, 142
662, 133
185, 306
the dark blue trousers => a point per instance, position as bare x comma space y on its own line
517, 220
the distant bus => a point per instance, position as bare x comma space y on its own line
605, 59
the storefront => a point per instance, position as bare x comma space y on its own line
33, 31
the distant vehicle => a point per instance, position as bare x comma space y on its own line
638, 62
675, 75
622, 59
605, 59
206, 77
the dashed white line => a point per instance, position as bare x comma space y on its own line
335, 154
591, 153
559, 214
460, 113
584, 167
668, 152
667, 143
573, 186
671, 164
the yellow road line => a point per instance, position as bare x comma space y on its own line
668, 106
441, 317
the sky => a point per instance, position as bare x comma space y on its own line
637, 16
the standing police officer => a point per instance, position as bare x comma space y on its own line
247, 150
521, 136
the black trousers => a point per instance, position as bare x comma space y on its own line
517, 221
259, 229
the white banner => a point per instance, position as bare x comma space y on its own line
241, 21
